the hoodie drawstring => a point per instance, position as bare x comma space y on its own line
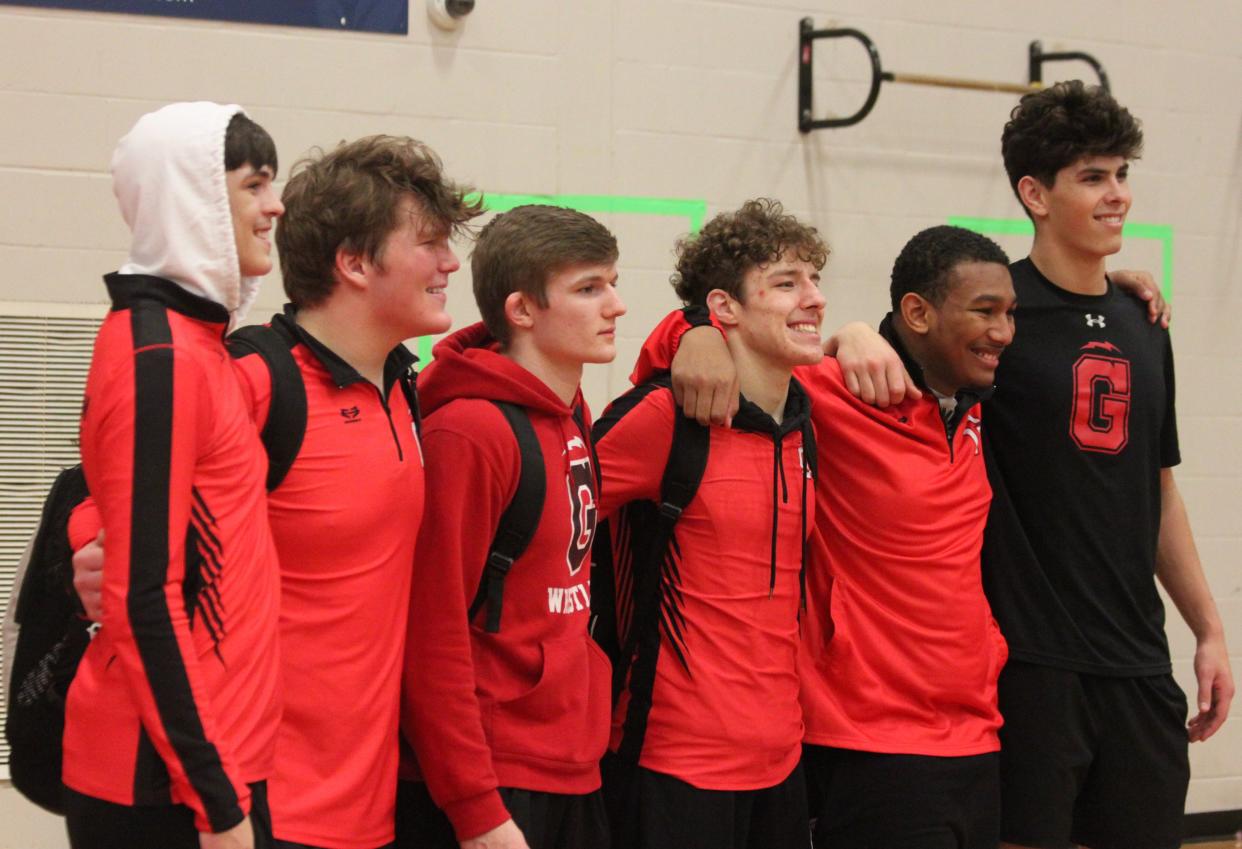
778, 468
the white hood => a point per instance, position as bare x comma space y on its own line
168, 176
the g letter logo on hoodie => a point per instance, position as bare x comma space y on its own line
581, 483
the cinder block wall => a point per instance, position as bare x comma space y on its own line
687, 99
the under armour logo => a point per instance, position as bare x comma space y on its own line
1094, 320
351, 414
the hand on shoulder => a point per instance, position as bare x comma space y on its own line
872, 370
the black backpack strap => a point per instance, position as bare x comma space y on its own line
519, 521
286, 414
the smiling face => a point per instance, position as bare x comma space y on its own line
1085, 207
780, 313
409, 276
255, 206
579, 323
966, 334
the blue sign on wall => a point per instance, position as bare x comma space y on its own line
367, 15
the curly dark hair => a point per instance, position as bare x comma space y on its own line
1053, 128
732, 243
926, 263
519, 250
351, 198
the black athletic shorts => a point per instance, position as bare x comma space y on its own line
652, 810
547, 820
871, 800
1092, 760
95, 824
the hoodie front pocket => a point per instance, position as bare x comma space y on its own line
565, 716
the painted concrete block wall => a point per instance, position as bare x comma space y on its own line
686, 99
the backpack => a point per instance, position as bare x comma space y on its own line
45, 638
625, 607
45, 632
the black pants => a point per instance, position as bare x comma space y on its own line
870, 800
96, 824
651, 810
1092, 760
547, 820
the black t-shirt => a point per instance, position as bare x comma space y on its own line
1076, 434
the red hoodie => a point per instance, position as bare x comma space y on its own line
527, 707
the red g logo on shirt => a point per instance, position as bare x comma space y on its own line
1100, 419
581, 484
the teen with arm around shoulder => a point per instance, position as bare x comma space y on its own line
506, 703
706, 739
1083, 434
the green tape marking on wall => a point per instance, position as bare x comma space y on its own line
694, 211
1023, 227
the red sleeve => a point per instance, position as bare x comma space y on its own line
84, 523
661, 346
157, 406
633, 451
470, 478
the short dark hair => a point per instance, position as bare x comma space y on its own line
925, 265
519, 250
733, 243
352, 198
1055, 127
246, 143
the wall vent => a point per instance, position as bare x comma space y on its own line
43, 363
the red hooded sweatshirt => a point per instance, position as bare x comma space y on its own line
527, 707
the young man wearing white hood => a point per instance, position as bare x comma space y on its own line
171, 720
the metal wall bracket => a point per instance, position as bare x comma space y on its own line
808, 35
